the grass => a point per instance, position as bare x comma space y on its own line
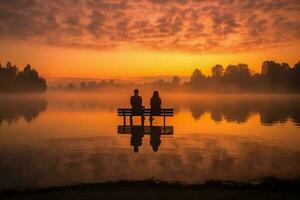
267, 188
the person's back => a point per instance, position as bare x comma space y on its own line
136, 102
155, 103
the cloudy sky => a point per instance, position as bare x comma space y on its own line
98, 38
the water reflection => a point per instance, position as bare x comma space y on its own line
75, 141
138, 132
237, 110
155, 134
136, 140
271, 110
13, 108
98, 159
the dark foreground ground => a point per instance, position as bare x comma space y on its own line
152, 189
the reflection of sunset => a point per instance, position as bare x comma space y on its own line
123, 96
94, 115
83, 130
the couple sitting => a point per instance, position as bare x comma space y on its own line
137, 104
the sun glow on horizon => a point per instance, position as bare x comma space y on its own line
54, 62
126, 38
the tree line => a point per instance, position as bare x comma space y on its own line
274, 77
279, 77
12, 80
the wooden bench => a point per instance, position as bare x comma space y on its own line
165, 112
164, 130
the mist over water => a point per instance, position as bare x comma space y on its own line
68, 138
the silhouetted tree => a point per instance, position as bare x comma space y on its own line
71, 86
83, 85
217, 71
273, 71
197, 79
294, 78
274, 77
14, 80
176, 81
297, 68
92, 85
237, 73
33, 82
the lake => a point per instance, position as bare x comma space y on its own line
62, 139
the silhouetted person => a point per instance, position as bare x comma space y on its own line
136, 137
136, 103
155, 133
155, 104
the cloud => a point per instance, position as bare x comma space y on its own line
171, 25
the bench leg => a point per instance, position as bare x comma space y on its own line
142, 120
124, 129
124, 120
164, 124
131, 121
151, 120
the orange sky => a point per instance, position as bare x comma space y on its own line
115, 39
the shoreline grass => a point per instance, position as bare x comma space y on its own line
269, 183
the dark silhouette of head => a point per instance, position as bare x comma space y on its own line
155, 93
136, 92
155, 148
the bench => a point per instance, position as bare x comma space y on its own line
165, 112
164, 130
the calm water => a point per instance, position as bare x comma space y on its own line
61, 139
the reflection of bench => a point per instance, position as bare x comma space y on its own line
164, 130
165, 112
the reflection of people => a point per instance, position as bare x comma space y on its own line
136, 103
155, 133
136, 137
155, 104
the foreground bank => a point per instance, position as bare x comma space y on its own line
269, 188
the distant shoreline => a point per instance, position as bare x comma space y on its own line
147, 90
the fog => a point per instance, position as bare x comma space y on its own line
272, 108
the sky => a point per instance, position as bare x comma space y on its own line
129, 38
